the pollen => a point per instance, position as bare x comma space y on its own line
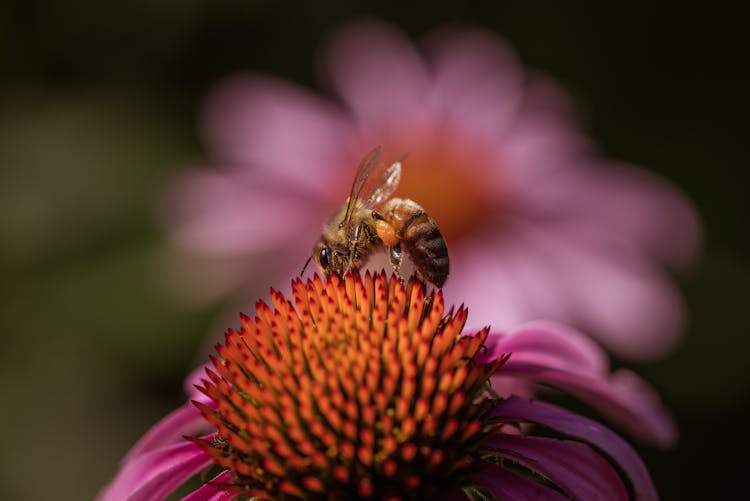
387, 233
358, 387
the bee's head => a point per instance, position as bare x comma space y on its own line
325, 257
330, 252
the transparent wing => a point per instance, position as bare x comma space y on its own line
373, 183
382, 186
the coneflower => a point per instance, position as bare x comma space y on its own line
365, 388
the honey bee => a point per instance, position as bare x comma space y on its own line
370, 220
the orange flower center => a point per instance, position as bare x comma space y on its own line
359, 388
445, 183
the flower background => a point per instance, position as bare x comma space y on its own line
98, 107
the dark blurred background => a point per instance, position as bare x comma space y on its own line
98, 105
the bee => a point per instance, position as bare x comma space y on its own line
370, 220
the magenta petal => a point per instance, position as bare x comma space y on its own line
644, 211
623, 398
379, 74
550, 342
558, 356
510, 486
185, 420
224, 214
211, 490
493, 292
573, 466
155, 474
478, 82
268, 125
542, 141
192, 381
604, 282
573, 425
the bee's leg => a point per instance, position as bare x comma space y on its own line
353, 247
394, 254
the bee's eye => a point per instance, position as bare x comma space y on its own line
325, 257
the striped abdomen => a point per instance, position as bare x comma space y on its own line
420, 239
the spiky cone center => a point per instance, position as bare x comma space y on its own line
359, 387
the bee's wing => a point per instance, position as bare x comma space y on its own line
373, 183
381, 185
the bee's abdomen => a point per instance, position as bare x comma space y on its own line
422, 240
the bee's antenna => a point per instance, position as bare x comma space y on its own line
305, 267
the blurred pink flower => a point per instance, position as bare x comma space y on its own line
538, 224
364, 386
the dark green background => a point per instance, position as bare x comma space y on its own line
98, 104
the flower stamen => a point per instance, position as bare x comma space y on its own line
359, 386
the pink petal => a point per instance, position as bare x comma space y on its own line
620, 297
478, 82
228, 214
544, 96
558, 356
574, 467
480, 280
509, 486
637, 314
211, 490
505, 282
185, 420
550, 343
380, 76
623, 398
194, 379
544, 140
272, 126
641, 210
512, 385
154, 475
584, 429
